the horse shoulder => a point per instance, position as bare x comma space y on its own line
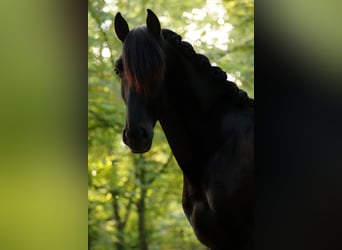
220, 210
230, 173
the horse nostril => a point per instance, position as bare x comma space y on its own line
142, 132
124, 136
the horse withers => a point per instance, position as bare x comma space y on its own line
208, 122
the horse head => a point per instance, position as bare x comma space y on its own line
141, 70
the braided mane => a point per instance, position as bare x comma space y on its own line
203, 63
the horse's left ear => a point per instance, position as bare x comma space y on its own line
120, 27
152, 23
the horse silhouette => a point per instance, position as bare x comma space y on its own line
208, 122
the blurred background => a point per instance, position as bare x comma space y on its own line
135, 200
56, 53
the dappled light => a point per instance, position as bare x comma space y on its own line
213, 37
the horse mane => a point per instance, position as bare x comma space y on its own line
203, 63
143, 60
144, 63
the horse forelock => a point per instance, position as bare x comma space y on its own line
143, 60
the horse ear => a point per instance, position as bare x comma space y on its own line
152, 23
121, 27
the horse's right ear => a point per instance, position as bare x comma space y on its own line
152, 23
120, 27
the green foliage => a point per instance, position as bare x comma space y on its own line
240, 56
135, 200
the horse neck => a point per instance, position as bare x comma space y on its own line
187, 117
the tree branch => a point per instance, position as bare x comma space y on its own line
162, 169
105, 123
103, 33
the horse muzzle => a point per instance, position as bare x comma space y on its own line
139, 140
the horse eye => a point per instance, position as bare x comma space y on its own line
118, 67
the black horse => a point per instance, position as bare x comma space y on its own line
208, 122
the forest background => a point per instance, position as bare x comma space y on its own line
134, 201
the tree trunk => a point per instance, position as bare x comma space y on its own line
120, 226
120, 244
141, 213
